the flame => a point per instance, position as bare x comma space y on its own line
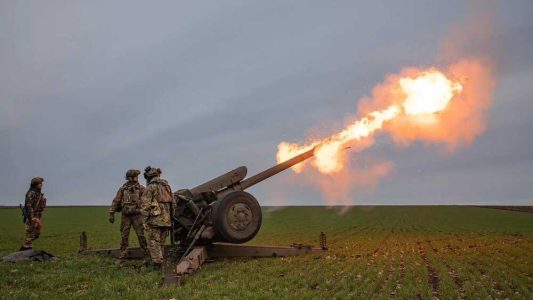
428, 93
422, 97
328, 159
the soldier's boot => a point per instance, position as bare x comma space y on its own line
147, 259
146, 262
28, 244
157, 266
121, 258
150, 265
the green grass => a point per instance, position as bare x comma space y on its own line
375, 252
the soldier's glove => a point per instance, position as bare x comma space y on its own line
111, 218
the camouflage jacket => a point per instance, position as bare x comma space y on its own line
35, 203
158, 205
128, 197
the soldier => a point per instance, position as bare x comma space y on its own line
34, 206
128, 201
158, 206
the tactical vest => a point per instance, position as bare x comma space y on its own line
131, 196
38, 204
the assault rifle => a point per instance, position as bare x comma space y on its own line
25, 213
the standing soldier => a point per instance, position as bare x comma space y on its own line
128, 201
158, 206
33, 210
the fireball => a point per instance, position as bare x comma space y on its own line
426, 94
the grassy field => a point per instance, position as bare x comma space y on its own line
375, 252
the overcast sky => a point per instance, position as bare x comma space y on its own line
90, 89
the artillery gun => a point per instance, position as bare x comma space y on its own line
228, 213
212, 218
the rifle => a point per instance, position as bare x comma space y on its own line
25, 215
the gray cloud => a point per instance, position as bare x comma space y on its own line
88, 90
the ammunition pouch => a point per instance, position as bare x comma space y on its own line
130, 210
131, 196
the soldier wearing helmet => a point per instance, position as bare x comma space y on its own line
157, 208
128, 201
34, 206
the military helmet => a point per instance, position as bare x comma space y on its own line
132, 173
36, 180
150, 172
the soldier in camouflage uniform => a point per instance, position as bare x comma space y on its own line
34, 206
128, 201
157, 207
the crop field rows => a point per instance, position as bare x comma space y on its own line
374, 253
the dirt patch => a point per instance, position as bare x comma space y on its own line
451, 271
375, 254
433, 277
389, 271
401, 270
457, 281
451, 248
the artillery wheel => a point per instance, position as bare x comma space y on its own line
237, 217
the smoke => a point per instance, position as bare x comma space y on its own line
475, 37
360, 175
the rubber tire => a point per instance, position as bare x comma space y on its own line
224, 231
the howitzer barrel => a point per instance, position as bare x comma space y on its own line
248, 182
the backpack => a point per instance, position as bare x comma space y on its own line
166, 193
